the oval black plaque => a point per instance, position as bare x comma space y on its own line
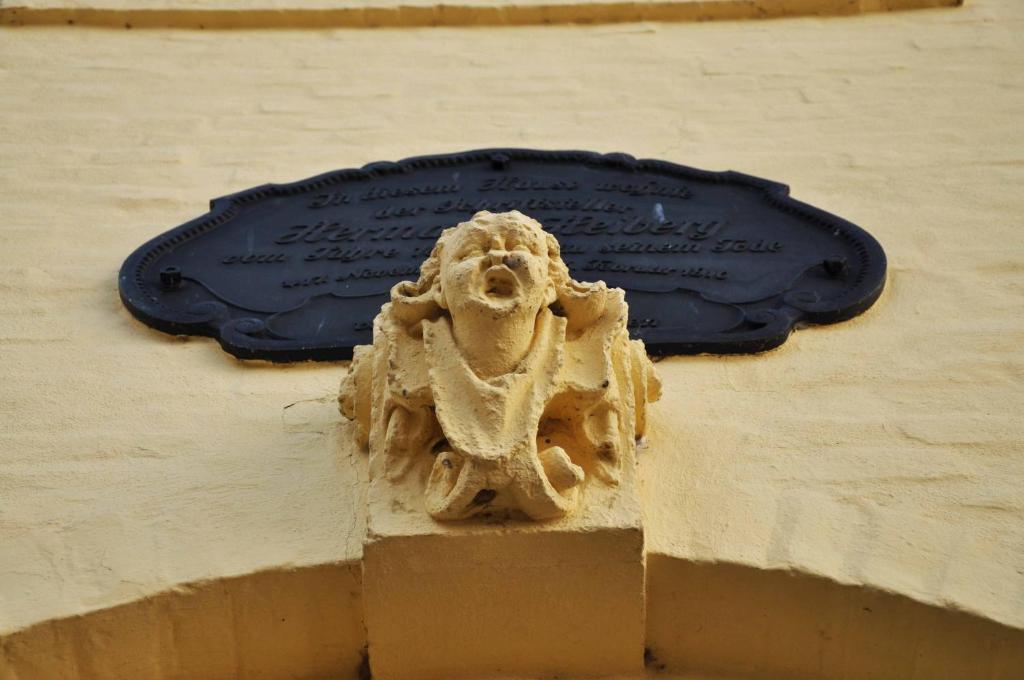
717, 262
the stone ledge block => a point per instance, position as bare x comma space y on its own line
475, 603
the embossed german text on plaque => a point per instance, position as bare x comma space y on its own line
716, 262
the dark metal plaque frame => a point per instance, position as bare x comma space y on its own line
750, 262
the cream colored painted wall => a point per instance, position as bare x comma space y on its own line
885, 452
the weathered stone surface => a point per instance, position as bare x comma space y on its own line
496, 385
500, 391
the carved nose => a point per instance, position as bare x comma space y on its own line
512, 261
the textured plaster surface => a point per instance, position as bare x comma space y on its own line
883, 452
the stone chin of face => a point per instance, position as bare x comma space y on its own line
500, 267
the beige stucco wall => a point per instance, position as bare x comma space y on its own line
150, 484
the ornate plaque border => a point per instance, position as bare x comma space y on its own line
250, 338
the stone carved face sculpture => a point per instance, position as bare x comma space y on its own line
498, 265
495, 383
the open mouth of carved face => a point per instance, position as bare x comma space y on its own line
500, 283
